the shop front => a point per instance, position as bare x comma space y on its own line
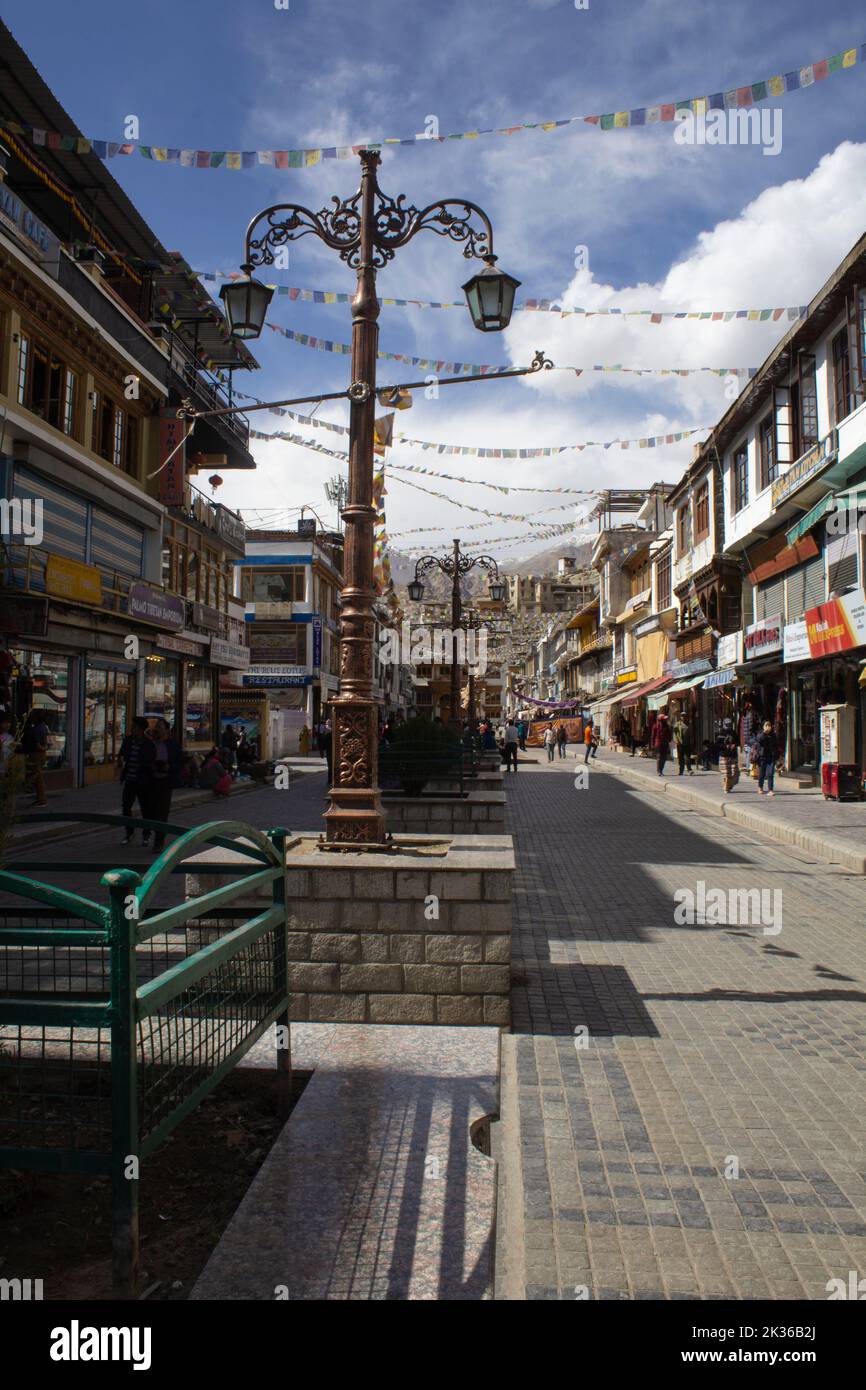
764, 682
835, 634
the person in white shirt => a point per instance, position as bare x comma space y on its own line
511, 741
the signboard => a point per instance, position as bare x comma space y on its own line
33, 233
232, 654
638, 600
795, 642
317, 643
230, 527
647, 626
307, 526
204, 616
729, 651
172, 464
184, 646
626, 677
806, 468
253, 678
20, 614
154, 606
838, 625
719, 678
687, 668
761, 639
72, 580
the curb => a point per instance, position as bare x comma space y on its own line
780, 831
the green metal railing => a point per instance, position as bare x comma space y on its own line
117, 1019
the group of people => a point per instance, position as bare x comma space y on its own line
764, 752
555, 739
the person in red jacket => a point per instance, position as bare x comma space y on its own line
661, 741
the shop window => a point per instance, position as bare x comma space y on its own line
768, 451
740, 479
199, 705
106, 715
843, 402
42, 682
161, 689
702, 511
807, 396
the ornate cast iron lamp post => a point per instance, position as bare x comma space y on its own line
455, 565
366, 230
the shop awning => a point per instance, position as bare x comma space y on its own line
686, 684
646, 689
851, 498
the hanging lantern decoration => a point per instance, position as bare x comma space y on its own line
215, 481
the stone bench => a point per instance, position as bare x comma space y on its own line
374, 1190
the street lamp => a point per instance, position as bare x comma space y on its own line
366, 230
454, 565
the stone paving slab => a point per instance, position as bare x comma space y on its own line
705, 1137
374, 1189
831, 830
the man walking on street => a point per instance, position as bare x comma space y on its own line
512, 738
589, 741
34, 746
561, 739
136, 759
683, 741
768, 756
550, 742
661, 742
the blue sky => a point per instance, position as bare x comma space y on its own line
665, 225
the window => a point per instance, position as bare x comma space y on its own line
843, 402
842, 563
70, 386
114, 435
740, 479
663, 582
285, 646
275, 586
682, 531
808, 402
702, 511
767, 450
23, 353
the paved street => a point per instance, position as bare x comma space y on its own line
711, 1050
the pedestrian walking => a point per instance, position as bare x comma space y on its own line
684, 745
561, 739
166, 773
768, 755
661, 742
135, 763
730, 758
588, 738
34, 746
521, 734
550, 742
512, 740
229, 745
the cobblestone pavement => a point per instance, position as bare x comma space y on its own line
711, 1050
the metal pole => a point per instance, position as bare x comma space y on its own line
125, 1158
355, 814
455, 624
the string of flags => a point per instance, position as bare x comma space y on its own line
286, 437
485, 369
546, 306
489, 452
735, 98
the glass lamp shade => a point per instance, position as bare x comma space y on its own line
497, 590
490, 296
416, 590
246, 304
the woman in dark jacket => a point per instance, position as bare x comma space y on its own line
767, 746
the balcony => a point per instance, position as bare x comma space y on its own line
213, 519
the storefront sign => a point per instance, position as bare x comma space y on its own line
184, 646
274, 677
231, 528
795, 642
154, 606
649, 625
686, 668
20, 614
172, 458
729, 651
717, 678
806, 468
70, 579
763, 638
626, 677
34, 234
317, 643
231, 654
837, 626
204, 616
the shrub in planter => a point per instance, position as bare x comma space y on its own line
419, 750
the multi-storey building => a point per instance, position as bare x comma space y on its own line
289, 583
98, 620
